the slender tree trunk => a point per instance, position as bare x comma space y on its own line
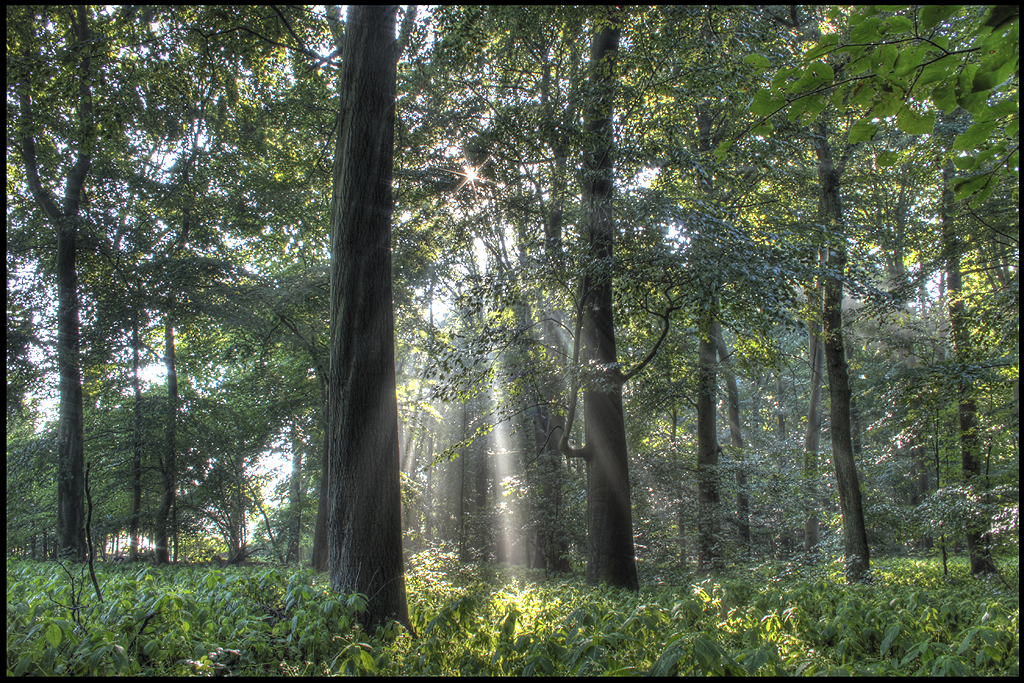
295, 497
709, 550
735, 438
970, 443
133, 525
463, 457
168, 463
812, 440
780, 413
709, 514
610, 551
855, 538
318, 561
365, 520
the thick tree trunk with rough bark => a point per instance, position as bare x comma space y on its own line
610, 551
855, 540
365, 519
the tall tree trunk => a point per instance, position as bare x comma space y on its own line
709, 531
168, 464
295, 496
365, 520
812, 440
970, 444
709, 550
855, 540
736, 438
610, 551
65, 219
780, 412
133, 524
318, 559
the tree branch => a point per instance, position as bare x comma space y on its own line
654, 350
563, 443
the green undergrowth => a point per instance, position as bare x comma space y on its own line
487, 620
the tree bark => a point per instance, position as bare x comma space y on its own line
71, 541
709, 524
855, 540
295, 497
133, 524
812, 440
318, 561
709, 550
610, 551
168, 464
365, 519
736, 438
970, 445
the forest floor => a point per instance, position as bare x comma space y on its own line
772, 619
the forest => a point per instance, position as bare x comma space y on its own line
512, 340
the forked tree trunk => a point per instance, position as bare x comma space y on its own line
65, 219
365, 519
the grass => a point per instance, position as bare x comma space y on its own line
772, 619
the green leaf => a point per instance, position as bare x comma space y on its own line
890, 635
965, 188
976, 103
973, 137
887, 105
965, 163
866, 31
862, 131
723, 148
884, 59
816, 74
758, 659
912, 123
781, 80
932, 15
764, 104
897, 24
824, 45
936, 71
886, 158
366, 659
944, 96
53, 635
757, 60
908, 60
668, 662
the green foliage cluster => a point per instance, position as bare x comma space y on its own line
471, 619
